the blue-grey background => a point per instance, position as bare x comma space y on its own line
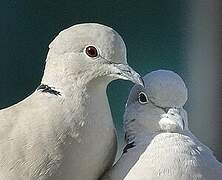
176, 35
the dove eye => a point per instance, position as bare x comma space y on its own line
142, 98
91, 51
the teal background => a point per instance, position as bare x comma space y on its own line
151, 29
154, 32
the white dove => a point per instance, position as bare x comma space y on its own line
159, 143
64, 130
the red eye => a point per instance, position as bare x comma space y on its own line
91, 51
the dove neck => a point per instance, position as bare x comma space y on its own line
142, 138
140, 142
69, 86
67, 81
137, 132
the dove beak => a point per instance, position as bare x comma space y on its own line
125, 72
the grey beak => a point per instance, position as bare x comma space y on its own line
127, 73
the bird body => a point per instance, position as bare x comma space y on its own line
169, 156
55, 133
51, 132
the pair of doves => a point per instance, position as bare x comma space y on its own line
64, 130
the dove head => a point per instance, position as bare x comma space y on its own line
86, 52
163, 90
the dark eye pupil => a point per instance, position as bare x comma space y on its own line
91, 51
142, 98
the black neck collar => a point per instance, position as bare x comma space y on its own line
129, 146
47, 89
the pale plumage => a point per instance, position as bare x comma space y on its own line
53, 134
164, 148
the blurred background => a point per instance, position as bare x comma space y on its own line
183, 36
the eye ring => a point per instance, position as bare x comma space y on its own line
142, 98
91, 51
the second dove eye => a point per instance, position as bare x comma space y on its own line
142, 98
91, 51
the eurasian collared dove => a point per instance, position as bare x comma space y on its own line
64, 130
159, 143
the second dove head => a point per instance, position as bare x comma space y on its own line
163, 90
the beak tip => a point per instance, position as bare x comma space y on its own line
142, 83
137, 79
128, 73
